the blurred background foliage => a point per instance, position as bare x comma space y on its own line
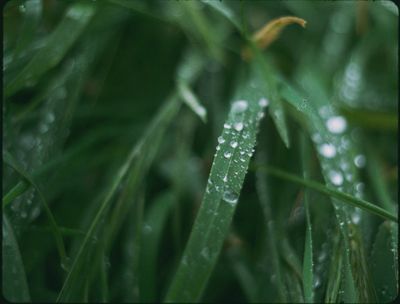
82, 84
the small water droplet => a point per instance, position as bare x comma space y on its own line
234, 144
327, 150
356, 216
360, 161
225, 179
221, 140
230, 196
227, 154
336, 124
238, 126
227, 126
218, 148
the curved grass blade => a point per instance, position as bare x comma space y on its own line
9, 160
308, 275
32, 15
212, 223
192, 101
225, 11
15, 287
344, 197
60, 41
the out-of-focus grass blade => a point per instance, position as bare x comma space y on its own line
344, 197
263, 194
164, 116
225, 11
15, 287
234, 150
9, 160
144, 152
32, 13
59, 42
192, 101
153, 226
308, 276
334, 274
270, 87
383, 264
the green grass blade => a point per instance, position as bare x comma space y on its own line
308, 276
343, 197
153, 228
192, 101
269, 85
32, 15
212, 223
384, 264
225, 11
60, 41
272, 242
15, 286
9, 160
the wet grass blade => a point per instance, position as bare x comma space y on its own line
60, 41
9, 160
15, 286
234, 150
343, 197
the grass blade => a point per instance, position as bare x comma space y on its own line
219, 202
344, 197
308, 276
9, 160
60, 41
192, 101
15, 287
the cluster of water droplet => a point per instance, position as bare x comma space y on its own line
237, 144
338, 164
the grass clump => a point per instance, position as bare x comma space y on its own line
189, 151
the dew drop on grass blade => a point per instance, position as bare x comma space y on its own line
221, 196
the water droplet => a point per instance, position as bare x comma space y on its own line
260, 115
230, 196
327, 150
239, 106
263, 102
227, 154
356, 216
336, 124
336, 177
225, 179
360, 187
238, 126
360, 161
218, 148
227, 126
234, 144
221, 140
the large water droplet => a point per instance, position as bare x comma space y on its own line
263, 102
336, 177
336, 124
327, 150
230, 196
234, 144
239, 106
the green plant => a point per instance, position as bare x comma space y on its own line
179, 157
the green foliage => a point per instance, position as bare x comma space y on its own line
153, 152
